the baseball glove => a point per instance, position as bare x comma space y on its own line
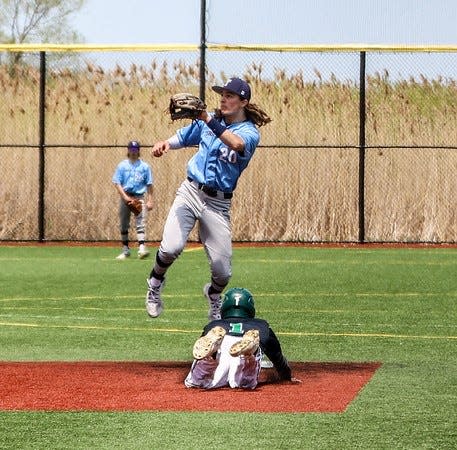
185, 106
135, 206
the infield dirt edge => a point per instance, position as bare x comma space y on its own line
158, 386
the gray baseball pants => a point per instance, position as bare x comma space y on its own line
124, 221
213, 214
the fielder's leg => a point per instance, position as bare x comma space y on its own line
140, 222
180, 221
216, 236
124, 225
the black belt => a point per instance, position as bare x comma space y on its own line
211, 191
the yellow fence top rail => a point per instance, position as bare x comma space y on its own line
225, 47
99, 47
336, 48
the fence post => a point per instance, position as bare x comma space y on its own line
202, 49
362, 122
41, 162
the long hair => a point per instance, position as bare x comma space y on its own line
256, 114
253, 113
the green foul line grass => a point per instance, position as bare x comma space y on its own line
97, 327
94, 308
177, 330
283, 295
391, 262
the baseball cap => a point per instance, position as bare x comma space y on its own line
237, 86
133, 146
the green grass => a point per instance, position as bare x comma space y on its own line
396, 306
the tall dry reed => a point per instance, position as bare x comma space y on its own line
305, 194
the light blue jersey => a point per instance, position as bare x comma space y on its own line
133, 177
215, 164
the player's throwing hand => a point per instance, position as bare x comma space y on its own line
160, 148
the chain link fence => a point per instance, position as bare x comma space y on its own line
353, 153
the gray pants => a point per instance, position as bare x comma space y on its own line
124, 221
213, 214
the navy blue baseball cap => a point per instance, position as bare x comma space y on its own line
133, 146
237, 86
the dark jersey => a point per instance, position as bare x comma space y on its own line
269, 343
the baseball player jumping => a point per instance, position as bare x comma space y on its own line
230, 350
226, 143
133, 180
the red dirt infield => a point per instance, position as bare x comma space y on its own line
158, 386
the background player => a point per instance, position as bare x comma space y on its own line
230, 350
226, 143
133, 179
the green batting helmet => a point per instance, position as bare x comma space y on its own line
238, 302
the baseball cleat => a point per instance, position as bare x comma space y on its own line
154, 304
143, 252
209, 343
214, 301
123, 255
248, 345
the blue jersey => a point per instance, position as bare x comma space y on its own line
133, 177
215, 164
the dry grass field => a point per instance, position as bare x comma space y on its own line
308, 193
